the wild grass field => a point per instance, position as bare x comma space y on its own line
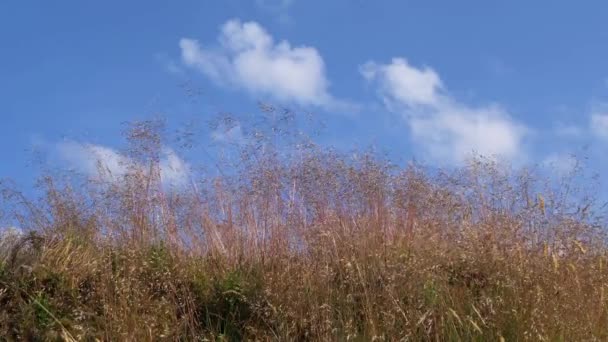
304, 245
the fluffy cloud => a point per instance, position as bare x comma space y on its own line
174, 171
94, 160
405, 83
106, 164
445, 128
248, 58
599, 124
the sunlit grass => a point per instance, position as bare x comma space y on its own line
307, 245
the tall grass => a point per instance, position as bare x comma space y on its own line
305, 244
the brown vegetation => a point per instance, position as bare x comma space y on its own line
306, 245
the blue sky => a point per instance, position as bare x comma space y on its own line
432, 80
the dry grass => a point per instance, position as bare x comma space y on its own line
313, 246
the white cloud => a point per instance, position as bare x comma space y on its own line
599, 124
174, 171
449, 131
106, 164
404, 83
94, 160
248, 58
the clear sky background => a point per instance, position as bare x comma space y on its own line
431, 80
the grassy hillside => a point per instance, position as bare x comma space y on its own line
309, 245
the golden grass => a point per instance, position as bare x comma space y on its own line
316, 246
